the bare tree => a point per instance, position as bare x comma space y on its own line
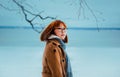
35, 16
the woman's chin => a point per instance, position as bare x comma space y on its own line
62, 38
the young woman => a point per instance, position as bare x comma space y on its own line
55, 60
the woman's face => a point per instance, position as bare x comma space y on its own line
60, 31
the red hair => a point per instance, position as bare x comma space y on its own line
50, 30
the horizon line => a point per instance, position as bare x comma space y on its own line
76, 28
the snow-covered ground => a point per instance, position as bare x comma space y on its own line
92, 53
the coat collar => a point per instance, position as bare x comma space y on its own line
53, 36
59, 41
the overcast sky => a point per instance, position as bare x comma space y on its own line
106, 11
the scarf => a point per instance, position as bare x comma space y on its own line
69, 70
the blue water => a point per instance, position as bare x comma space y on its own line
92, 53
80, 37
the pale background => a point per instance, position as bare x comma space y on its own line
92, 53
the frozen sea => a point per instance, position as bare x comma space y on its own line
92, 53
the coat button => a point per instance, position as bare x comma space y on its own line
54, 50
63, 60
58, 45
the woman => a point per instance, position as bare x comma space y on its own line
55, 60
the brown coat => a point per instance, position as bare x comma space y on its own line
54, 63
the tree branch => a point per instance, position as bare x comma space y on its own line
30, 21
81, 2
92, 14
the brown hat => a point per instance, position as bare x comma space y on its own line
50, 30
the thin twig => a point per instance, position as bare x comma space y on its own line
92, 14
7, 8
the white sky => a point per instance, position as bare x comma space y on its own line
106, 11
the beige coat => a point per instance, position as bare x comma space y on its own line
54, 62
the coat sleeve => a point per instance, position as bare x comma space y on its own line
53, 60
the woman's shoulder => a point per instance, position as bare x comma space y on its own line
51, 47
53, 42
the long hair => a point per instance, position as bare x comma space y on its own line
50, 30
